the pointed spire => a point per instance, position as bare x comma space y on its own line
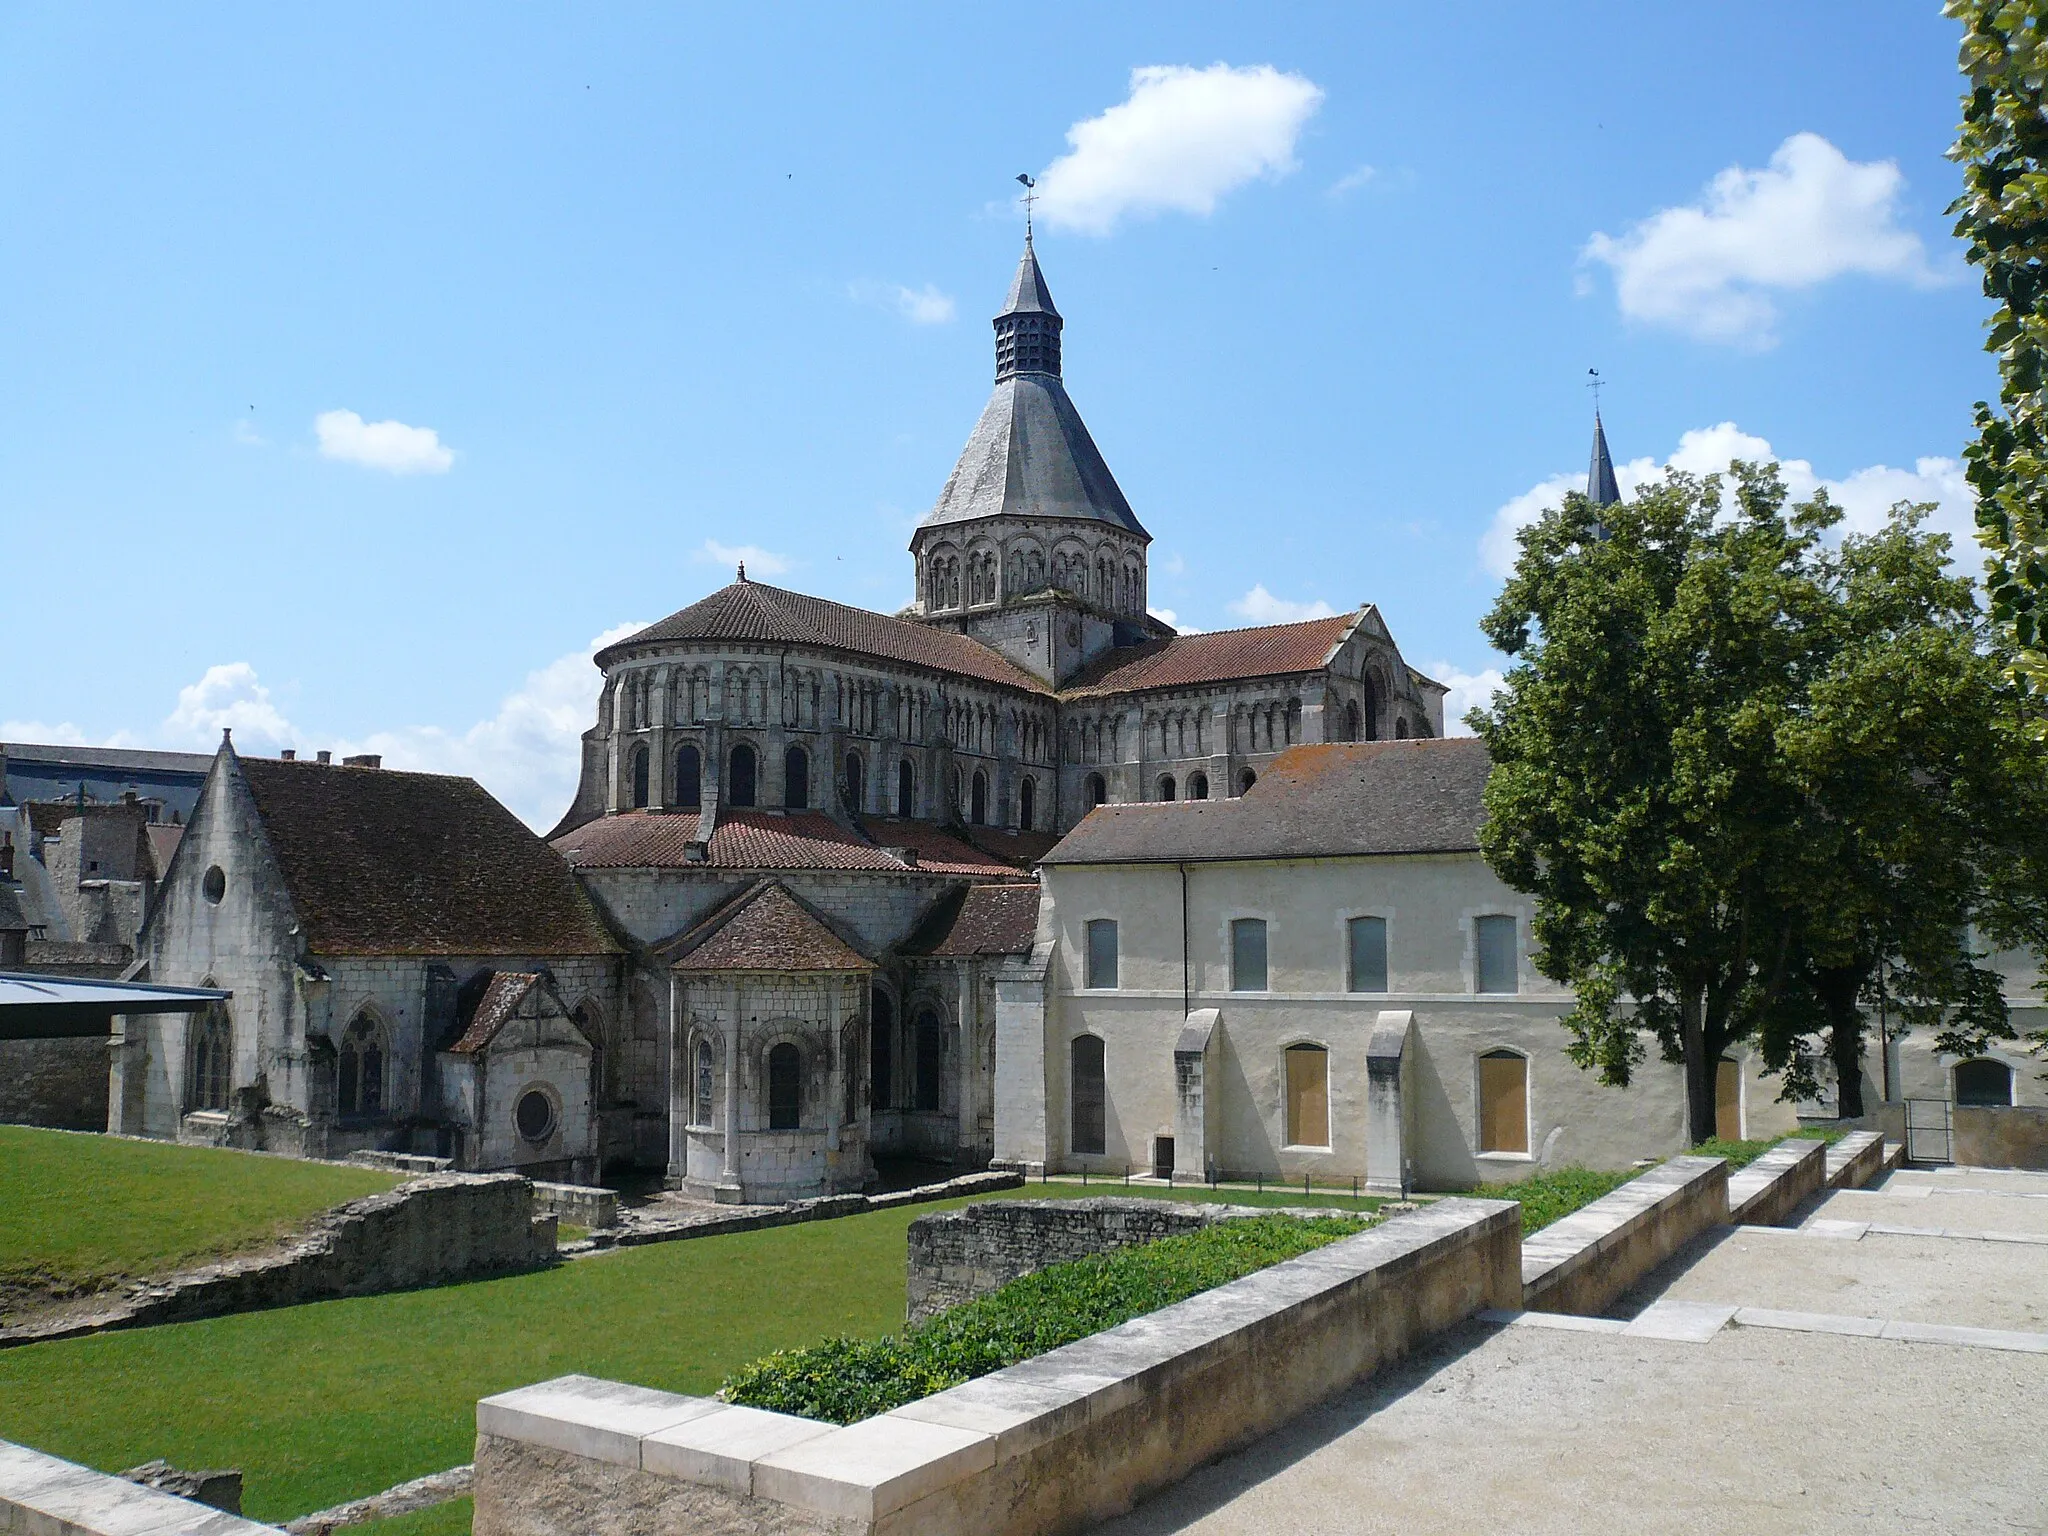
743, 570
1601, 488
1028, 329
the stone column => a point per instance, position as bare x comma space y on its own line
678, 1079
835, 1057
1220, 786
967, 1128
732, 1084
660, 739
1388, 1103
1195, 1114
1315, 699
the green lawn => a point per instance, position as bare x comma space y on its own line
450, 1519
340, 1399
81, 1212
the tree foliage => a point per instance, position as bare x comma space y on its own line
2003, 218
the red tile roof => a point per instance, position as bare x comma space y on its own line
979, 920
941, 851
767, 927
752, 610
379, 862
756, 839
1224, 656
500, 1000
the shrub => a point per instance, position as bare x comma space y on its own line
843, 1380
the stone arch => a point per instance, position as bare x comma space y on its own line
796, 779
743, 775
211, 1077
637, 775
689, 780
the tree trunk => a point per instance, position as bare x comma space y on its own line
1838, 991
1699, 1068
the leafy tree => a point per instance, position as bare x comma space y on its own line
1638, 789
2003, 218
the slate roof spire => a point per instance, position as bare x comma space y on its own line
1601, 488
1028, 329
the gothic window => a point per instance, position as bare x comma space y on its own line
855, 781
1098, 791
1165, 786
1088, 1093
706, 1082
743, 775
881, 1027
906, 789
1027, 804
978, 813
796, 779
639, 771
213, 1050
689, 778
785, 1087
1198, 786
362, 1068
931, 1045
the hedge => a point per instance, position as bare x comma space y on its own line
844, 1380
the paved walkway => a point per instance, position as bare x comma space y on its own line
1837, 1377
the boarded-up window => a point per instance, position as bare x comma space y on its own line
1368, 954
1983, 1082
1308, 1096
1102, 952
1089, 1091
1248, 954
785, 1087
1495, 941
1503, 1102
1727, 1100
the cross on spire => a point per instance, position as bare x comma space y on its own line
1030, 197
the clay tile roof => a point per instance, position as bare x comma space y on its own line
1382, 797
744, 839
500, 1000
163, 842
752, 610
379, 862
767, 927
1228, 654
943, 852
979, 920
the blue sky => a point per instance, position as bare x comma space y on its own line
361, 365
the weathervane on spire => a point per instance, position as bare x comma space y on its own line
1030, 197
1594, 385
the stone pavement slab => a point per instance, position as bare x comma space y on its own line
1920, 1205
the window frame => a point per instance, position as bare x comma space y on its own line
1479, 1148
1290, 1052
1230, 931
1385, 918
1475, 972
1074, 1146
774, 1053
1090, 981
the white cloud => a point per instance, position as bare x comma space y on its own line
1181, 140
1351, 181
42, 733
1262, 607
1168, 616
1469, 690
245, 433
924, 306
1864, 495
1710, 268
387, 445
758, 561
229, 696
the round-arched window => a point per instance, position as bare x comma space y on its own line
1983, 1082
534, 1115
1098, 791
214, 885
785, 1087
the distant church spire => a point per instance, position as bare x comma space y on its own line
1028, 329
1601, 488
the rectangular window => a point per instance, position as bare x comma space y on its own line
1368, 954
1102, 952
1308, 1096
1495, 940
1503, 1102
1248, 954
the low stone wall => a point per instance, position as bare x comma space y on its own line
2004, 1136
400, 1162
956, 1256
633, 1233
1856, 1159
1056, 1444
42, 1496
579, 1205
61, 1084
1582, 1263
1767, 1192
431, 1231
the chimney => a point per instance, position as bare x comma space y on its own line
323, 757
288, 755
364, 760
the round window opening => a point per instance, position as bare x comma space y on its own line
215, 884
535, 1115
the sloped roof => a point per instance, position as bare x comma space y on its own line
1221, 656
978, 920
12, 919
379, 862
163, 842
768, 927
943, 852
500, 1001
755, 611
1028, 292
742, 839
1380, 797
1030, 455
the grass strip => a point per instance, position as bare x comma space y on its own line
847, 1379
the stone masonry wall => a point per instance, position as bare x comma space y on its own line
58, 1083
431, 1231
956, 1256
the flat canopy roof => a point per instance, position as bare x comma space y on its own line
74, 1007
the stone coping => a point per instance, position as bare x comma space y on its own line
1856, 1159
1583, 1262
42, 1496
1767, 1192
634, 1233
1365, 1298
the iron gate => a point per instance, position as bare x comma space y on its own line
1930, 1131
